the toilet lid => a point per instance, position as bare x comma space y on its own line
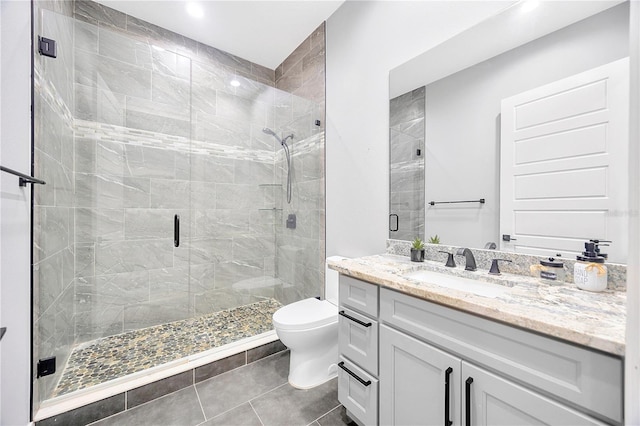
304, 314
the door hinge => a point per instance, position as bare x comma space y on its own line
46, 366
47, 47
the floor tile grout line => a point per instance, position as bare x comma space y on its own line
333, 409
204, 414
256, 413
245, 402
242, 366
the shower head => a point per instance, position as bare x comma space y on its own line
269, 132
283, 142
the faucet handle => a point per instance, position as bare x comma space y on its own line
494, 266
450, 262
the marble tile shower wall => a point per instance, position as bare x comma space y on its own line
160, 132
137, 124
53, 245
301, 251
407, 136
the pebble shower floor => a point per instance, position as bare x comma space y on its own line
117, 356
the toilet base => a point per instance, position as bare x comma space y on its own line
305, 373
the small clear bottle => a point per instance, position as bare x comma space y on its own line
551, 271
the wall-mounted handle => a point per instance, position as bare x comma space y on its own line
467, 397
23, 179
393, 228
176, 230
447, 374
362, 323
354, 375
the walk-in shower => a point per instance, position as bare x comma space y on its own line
283, 143
133, 126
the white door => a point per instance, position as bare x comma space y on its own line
564, 164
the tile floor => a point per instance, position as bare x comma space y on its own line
117, 356
255, 394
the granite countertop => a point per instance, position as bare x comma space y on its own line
594, 320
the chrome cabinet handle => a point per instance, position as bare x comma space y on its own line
354, 375
364, 324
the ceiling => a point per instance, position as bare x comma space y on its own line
264, 32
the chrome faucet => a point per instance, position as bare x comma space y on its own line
470, 261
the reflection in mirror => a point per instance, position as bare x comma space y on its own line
406, 154
464, 147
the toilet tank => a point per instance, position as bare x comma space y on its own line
331, 279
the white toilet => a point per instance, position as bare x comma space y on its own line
309, 328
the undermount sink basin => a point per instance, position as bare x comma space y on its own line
458, 283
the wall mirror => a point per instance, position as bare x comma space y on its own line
515, 132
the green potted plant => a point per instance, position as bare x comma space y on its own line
417, 250
434, 240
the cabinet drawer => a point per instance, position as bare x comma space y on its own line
359, 295
360, 399
358, 339
582, 377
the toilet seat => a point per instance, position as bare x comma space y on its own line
305, 314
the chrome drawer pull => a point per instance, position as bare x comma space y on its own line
364, 324
352, 374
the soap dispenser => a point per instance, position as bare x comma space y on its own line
589, 272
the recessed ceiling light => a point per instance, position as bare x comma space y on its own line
235, 83
195, 10
529, 5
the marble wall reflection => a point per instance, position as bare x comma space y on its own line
407, 150
136, 124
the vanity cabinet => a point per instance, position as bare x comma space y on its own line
492, 373
358, 348
422, 385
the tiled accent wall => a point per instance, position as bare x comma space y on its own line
406, 135
160, 131
301, 251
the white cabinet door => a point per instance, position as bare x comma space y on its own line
494, 401
413, 376
564, 155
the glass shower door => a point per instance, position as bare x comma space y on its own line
132, 180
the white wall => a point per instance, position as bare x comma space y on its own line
15, 147
632, 355
365, 40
